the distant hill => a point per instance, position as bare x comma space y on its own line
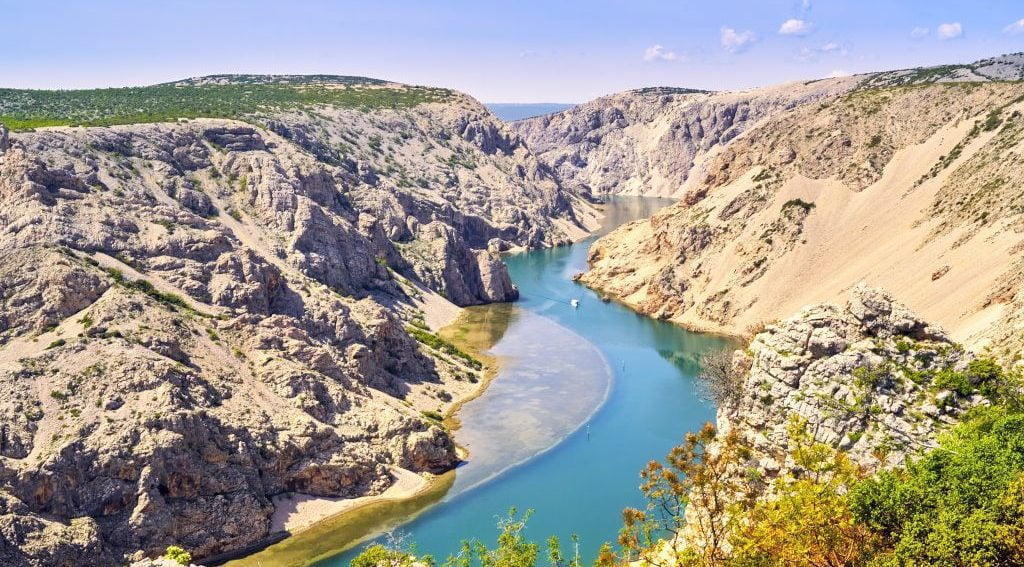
510, 112
213, 96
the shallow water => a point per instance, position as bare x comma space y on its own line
584, 398
545, 389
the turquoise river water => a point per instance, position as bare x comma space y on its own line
584, 398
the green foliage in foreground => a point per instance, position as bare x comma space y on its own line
512, 550
22, 109
960, 504
378, 555
437, 343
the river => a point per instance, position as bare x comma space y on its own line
583, 399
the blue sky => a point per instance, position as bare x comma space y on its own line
507, 51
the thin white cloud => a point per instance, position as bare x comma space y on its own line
806, 4
1015, 28
949, 31
919, 32
831, 48
736, 41
657, 52
794, 26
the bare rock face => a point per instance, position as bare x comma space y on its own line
27, 540
887, 185
861, 377
199, 316
462, 169
655, 141
41, 288
864, 378
496, 281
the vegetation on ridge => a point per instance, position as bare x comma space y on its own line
218, 97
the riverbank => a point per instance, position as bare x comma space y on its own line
328, 536
302, 522
584, 452
586, 398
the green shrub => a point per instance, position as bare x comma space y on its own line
379, 556
178, 555
960, 504
86, 321
992, 121
434, 415
798, 203
147, 288
245, 97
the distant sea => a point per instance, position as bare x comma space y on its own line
510, 112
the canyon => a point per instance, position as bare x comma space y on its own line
204, 313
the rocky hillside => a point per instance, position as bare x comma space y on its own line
830, 397
653, 141
199, 315
869, 378
659, 141
913, 188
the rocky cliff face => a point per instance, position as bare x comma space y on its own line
663, 141
441, 182
863, 377
868, 378
912, 188
198, 316
655, 141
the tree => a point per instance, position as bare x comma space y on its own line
377, 555
555, 557
960, 504
805, 520
721, 378
513, 549
392, 553
700, 474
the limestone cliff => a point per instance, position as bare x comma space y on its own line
913, 188
199, 315
863, 377
654, 141
868, 378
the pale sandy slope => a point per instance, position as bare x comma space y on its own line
732, 261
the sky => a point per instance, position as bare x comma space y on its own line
497, 51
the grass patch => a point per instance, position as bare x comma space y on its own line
437, 343
147, 288
433, 415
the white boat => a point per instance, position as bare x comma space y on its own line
575, 303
